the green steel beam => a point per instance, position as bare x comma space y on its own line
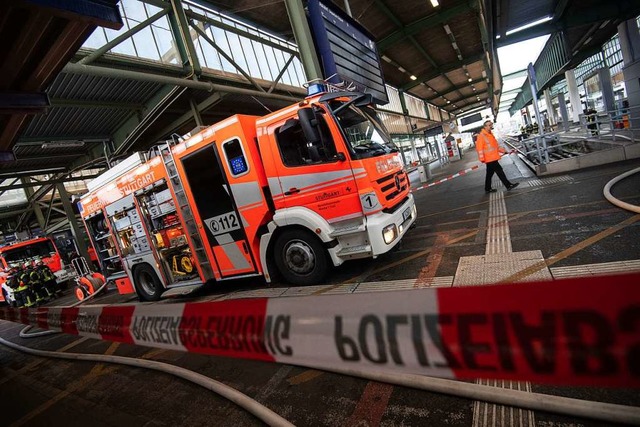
432, 20
442, 70
183, 31
302, 34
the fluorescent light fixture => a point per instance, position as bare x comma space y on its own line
402, 69
455, 45
498, 37
447, 29
473, 87
448, 102
386, 58
530, 24
470, 79
459, 57
62, 144
435, 3
412, 77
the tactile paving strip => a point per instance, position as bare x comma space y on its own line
493, 268
499, 415
547, 181
616, 267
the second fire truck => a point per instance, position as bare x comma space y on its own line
293, 193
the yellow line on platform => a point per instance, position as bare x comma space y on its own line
304, 377
570, 251
97, 371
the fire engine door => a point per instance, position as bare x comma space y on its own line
215, 212
317, 174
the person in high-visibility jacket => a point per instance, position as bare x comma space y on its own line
489, 153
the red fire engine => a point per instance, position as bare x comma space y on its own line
295, 192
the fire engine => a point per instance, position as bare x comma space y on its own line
28, 251
291, 194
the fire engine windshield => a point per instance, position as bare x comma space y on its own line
36, 250
364, 132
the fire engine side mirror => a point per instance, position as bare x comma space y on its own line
341, 157
309, 125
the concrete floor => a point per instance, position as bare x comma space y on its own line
554, 215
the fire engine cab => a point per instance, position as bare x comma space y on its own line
293, 193
28, 251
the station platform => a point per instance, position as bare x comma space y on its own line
547, 228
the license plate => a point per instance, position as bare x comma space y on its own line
406, 214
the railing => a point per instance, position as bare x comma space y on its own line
604, 126
621, 123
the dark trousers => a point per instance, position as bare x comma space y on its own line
494, 167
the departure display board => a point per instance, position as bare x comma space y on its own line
347, 52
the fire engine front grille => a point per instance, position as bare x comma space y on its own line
393, 185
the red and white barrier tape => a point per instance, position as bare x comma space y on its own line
450, 177
574, 332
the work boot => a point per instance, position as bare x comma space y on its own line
512, 186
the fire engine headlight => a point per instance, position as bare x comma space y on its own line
389, 233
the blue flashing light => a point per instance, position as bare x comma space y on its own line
315, 88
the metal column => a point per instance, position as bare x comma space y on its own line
28, 190
76, 230
562, 104
574, 96
302, 34
551, 113
630, 47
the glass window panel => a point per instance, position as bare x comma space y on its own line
272, 63
134, 10
261, 59
236, 51
151, 9
125, 47
221, 40
300, 74
164, 38
96, 40
145, 44
198, 43
210, 54
253, 68
281, 61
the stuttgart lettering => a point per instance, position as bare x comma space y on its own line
498, 341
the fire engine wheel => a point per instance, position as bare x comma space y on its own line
300, 257
147, 283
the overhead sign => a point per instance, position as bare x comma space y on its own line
347, 52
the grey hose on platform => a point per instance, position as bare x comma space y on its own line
260, 411
617, 202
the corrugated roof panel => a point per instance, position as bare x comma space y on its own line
74, 86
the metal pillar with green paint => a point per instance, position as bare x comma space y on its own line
302, 34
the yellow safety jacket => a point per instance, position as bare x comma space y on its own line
488, 148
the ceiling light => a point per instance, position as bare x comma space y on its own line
435, 3
459, 57
62, 144
402, 69
447, 29
386, 58
455, 45
412, 77
473, 87
530, 24
470, 80
448, 102
498, 37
